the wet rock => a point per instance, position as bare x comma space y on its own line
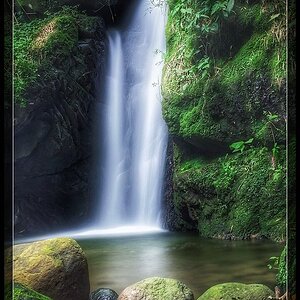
103, 294
55, 267
233, 290
157, 288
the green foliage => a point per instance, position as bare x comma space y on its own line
20, 292
281, 276
274, 262
240, 145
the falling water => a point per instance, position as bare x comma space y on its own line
135, 134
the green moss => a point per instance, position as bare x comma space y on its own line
251, 57
20, 292
241, 194
233, 290
43, 43
211, 81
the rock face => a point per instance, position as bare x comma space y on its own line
55, 267
103, 294
210, 106
53, 138
156, 288
23, 293
229, 291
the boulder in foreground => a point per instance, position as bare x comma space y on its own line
54, 267
234, 290
156, 288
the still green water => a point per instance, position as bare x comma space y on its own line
117, 262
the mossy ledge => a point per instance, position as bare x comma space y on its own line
224, 82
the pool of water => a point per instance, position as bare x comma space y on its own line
117, 262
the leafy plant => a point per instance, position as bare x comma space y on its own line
274, 263
240, 145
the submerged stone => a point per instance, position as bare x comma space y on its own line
103, 294
234, 290
156, 288
54, 267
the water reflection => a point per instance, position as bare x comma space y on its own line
117, 262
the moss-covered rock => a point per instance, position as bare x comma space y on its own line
55, 267
224, 74
42, 45
156, 288
21, 292
238, 195
232, 290
224, 88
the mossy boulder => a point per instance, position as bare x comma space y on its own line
156, 288
23, 293
55, 267
233, 290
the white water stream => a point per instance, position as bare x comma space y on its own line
135, 134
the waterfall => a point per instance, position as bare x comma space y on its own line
135, 134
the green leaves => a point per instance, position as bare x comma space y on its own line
272, 117
222, 8
274, 263
275, 150
230, 5
217, 7
274, 17
203, 66
240, 145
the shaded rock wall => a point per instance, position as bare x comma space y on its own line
53, 139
